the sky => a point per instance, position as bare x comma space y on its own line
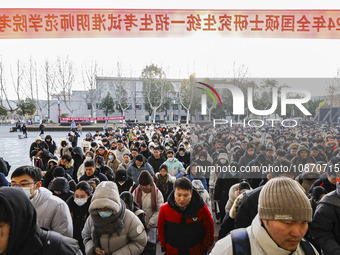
180, 57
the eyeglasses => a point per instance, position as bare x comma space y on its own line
22, 185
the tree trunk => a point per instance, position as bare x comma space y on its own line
154, 115
188, 116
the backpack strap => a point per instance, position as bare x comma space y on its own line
240, 242
307, 247
52, 243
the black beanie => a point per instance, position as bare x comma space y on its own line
121, 175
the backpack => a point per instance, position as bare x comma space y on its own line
241, 244
56, 244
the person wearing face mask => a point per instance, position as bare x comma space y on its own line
183, 156
52, 212
64, 148
124, 182
149, 199
103, 168
79, 205
110, 228
112, 162
81, 170
175, 167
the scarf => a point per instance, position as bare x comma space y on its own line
153, 198
162, 183
110, 225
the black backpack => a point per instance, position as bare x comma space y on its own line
241, 243
56, 244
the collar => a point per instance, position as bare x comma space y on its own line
263, 240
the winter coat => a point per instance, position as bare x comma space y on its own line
156, 163
247, 209
69, 169
260, 243
133, 171
79, 215
120, 153
203, 193
96, 174
323, 182
245, 159
52, 147
132, 238
326, 223
113, 164
194, 227
52, 212
107, 171
175, 168
64, 150
37, 147
129, 185
150, 216
78, 159
170, 183
297, 160
185, 159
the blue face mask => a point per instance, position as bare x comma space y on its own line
233, 174
105, 214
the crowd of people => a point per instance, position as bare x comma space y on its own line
272, 190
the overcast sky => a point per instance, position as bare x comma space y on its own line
284, 58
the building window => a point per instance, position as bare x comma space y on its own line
130, 107
147, 117
157, 118
89, 106
201, 117
138, 107
175, 107
175, 117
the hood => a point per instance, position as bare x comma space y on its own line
293, 145
151, 145
303, 148
79, 151
38, 138
52, 160
223, 155
106, 196
203, 153
22, 240
68, 165
48, 137
114, 155
3, 181
60, 184
198, 185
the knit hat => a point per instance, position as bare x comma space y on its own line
145, 178
121, 176
284, 199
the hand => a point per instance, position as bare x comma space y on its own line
99, 251
148, 227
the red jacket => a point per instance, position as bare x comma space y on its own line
185, 232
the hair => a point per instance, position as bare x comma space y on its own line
96, 180
134, 149
284, 163
183, 183
91, 154
139, 157
94, 144
3, 214
156, 148
58, 172
126, 196
33, 172
89, 163
127, 154
169, 152
244, 185
163, 166
83, 185
67, 157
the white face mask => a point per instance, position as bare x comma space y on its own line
27, 191
171, 159
167, 147
88, 158
80, 201
223, 161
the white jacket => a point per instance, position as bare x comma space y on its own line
151, 217
52, 212
260, 243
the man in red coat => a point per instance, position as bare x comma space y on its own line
185, 225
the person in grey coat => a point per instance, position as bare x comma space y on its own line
52, 212
137, 165
110, 228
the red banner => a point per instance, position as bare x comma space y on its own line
91, 23
91, 119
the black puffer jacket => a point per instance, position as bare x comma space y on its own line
78, 158
61, 184
326, 223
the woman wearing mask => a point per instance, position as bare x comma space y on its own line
81, 170
164, 181
149, 199
112, 161
79, 207
110, 228
103, 168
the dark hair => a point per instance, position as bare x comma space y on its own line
284, 163
134, 149
127, 154
156, 148
89, 163
169, 152
83, 185
244, 185
139, 157
128, 199
183, 183
58, 172
96, 180
93, 144
33, 172
91, 153
67, 157
3, 214
163, 166
317, 192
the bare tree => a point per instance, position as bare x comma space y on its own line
16, 80
48, 77
89, 75
121, 95
63, 83
186, 95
